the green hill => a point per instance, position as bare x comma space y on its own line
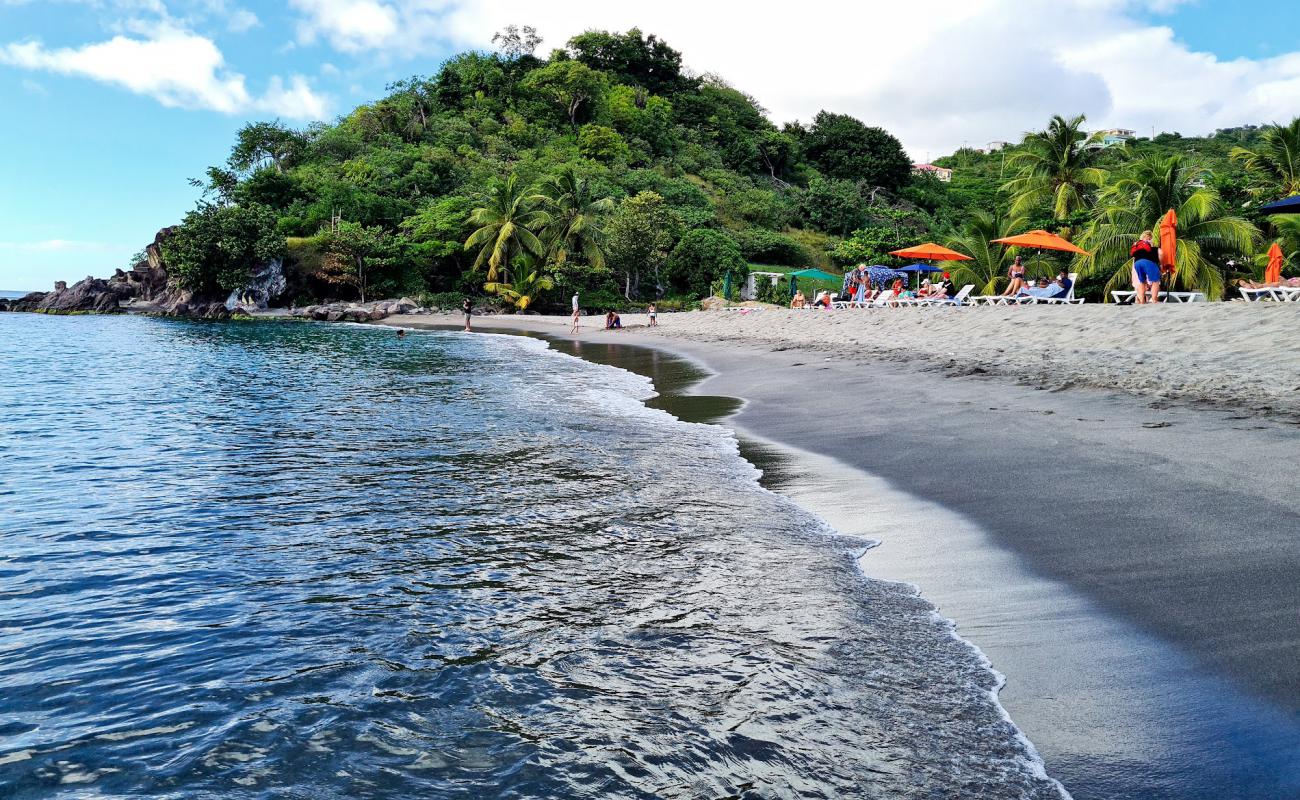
605, 168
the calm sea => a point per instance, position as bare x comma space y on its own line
295, 560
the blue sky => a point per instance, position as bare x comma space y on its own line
111, 105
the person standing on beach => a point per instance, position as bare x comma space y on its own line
654, 316
575, 302
1146, 266
468, 308
577, 316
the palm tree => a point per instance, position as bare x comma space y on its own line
1274, 165
572, 219
527, 285
1287, 230
1208, 233
1055, 168
504, 228
990, 261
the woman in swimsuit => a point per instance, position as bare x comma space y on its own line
1017, 276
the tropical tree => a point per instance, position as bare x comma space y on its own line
216, 247
1273, 165
989, 261
570, 84
1054, 168
702, 257
1287, 230
503, 228
845, 148
352, 248
571, 218
639, 240
528, 284
1209, 235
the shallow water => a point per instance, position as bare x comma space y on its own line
278, 559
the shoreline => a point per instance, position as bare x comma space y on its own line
1237, 679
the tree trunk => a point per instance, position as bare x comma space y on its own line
361, 277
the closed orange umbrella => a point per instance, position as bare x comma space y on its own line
1042, 240
930, 252
1168, 243
1274, 272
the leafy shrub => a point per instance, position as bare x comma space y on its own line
216, 247
600, 143
769, 247
703, 256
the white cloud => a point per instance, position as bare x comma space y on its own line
59, 246
241, 19
176, 67
938, 73
348, 25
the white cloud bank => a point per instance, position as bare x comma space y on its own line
176, 67
938, 73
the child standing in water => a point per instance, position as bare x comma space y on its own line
654, 316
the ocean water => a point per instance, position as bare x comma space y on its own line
294, 560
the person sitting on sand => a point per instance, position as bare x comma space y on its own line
612, 321
1016, 274
799, 301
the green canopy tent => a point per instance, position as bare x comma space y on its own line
815, 274
810, 274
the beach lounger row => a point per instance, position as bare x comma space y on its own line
1126, 296
1028, 300
1282, 294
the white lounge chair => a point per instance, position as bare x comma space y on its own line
958, 299
1069, 298
1283, 294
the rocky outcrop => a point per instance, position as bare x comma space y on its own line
90, 294
358, 312
265, 285
144, 287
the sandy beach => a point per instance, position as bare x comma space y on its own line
1232, 354
1122, 477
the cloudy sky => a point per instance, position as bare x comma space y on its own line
110, 105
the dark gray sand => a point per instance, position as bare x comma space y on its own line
1132, 567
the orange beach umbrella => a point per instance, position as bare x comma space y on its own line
1168, 242
1274, 272
1042, 240
930, 252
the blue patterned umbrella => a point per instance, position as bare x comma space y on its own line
883, 276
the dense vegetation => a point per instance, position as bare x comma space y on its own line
609, 169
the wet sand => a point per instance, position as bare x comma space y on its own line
1131, 565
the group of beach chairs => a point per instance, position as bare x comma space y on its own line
1282, 293
964, 298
